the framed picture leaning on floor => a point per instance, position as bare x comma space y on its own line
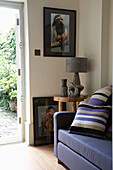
43, 111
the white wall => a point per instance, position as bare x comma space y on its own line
110, 44
90, 42
45, 73
104, 42
95, 33
107, 41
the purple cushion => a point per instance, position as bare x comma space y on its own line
90, 120
101, 96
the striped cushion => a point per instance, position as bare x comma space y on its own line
90, 120
101, 96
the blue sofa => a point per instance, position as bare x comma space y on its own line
79, 152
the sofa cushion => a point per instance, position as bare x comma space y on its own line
90, 120
97, 151
73, 160
102, 96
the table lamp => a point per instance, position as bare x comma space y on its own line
76, 65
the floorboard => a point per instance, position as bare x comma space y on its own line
22, 157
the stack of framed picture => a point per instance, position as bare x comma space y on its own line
59, 41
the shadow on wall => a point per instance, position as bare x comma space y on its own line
90, 77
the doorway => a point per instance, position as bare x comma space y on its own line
11, 73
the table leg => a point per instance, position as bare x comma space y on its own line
77, 104
62, 106
74, 106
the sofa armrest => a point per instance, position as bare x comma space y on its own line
62, 120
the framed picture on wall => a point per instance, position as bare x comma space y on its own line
59, 32
43, 111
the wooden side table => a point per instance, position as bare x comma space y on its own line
74, 101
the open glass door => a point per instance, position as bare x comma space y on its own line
12, 53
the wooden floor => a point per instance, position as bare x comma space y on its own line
22, 157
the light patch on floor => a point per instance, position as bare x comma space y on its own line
22, 157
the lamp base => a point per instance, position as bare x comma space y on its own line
75, 88
76, 79
80, 88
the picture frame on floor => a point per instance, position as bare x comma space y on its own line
43, 111
59, 32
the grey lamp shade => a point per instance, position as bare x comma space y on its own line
76, 64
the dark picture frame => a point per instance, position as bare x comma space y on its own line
59, 32
43, 110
